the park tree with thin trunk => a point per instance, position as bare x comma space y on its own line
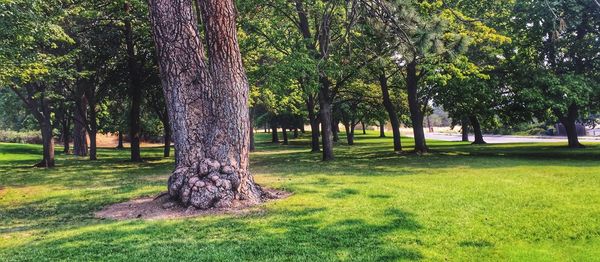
207, 101
34, 54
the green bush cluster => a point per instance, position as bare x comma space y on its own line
25, 137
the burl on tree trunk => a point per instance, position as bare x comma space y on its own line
207, 100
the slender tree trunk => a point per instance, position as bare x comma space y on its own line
349, 133
285, 135
274, 136
416, 115
381, 129
314, 124
296, 133
465, 130
93, 147
207, 100
326, 121
570, 123
476, 130
302, 128
364, 128
391, 110
135, 91
66, 137
93, 126
347, 130
120, 140
335, 128
80, 145
284, 132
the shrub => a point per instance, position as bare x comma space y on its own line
26, 137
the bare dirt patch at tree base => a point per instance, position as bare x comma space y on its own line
163, 207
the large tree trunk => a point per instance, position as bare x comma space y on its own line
135, 91
570, 123
416, 116
391, 110
476, 130
314, 124
382, 129
207, 101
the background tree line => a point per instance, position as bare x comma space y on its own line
73, 69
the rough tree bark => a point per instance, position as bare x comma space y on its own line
476, 130
391, 110
416, 115
207, 101
135, 90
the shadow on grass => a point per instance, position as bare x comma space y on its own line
279, 235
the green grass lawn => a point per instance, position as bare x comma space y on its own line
537, 202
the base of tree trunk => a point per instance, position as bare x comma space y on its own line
44, 164
421, 151
163, 207
478, 142
578, 145
207, 184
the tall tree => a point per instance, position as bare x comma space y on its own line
207, 100
34, 52
135, 87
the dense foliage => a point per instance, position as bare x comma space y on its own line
501, 66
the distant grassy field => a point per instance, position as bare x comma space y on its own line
537, 202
